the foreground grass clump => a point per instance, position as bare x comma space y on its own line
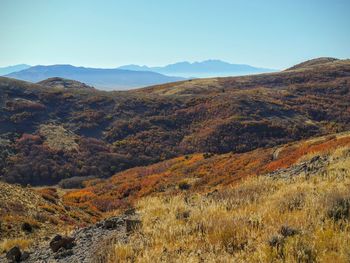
300, 219
7, 244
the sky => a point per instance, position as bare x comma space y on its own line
109, 33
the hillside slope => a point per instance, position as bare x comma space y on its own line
218, 201
53, 133
205, 173
29, 216
296, 215
313, 62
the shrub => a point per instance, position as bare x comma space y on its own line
49, 194
183, 215
288, 231
106, 204
292, 200
74, 182
339, 206
48, 208
207, 155
184, 185
299, 249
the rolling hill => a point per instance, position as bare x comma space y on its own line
54, 133
207, 173
108, 79
63, 83
207, 68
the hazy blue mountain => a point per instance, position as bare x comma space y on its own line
108, 79
11, 69
136, 67
207, 68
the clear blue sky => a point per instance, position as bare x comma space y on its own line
106, 33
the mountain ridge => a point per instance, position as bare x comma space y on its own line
206, 68
14, 68
100, 78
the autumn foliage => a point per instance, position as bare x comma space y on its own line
200, 174
108, 132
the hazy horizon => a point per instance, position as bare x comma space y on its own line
132, 64
274, 34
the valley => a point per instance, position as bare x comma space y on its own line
250, 168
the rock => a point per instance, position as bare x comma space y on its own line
130, 211
99, 224
112, 223
25, 256
89, 242
62, 253
14, 254
61, 242
26, 227
132, 224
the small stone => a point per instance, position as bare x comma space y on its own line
130, 211
99, 224
14, 255
111, 223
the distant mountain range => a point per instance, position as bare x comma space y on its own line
11, 69
109, 79
207, 68
131, 76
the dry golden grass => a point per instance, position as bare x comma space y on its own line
7, 244
264, 219
58, 138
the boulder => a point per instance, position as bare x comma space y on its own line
14, 255
112, 223
25, 256
61, 242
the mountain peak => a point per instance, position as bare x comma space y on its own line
205, 68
